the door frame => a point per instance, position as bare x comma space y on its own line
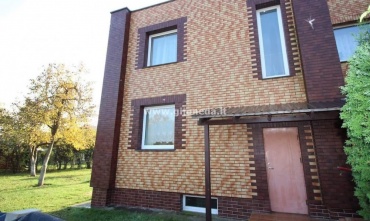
260, 160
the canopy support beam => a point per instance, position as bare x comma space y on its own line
207, 155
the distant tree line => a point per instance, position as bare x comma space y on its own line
16, 159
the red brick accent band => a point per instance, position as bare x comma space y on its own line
337, 190
106, 147
239, 208
147, 199
231, 207
320, 59
100, 197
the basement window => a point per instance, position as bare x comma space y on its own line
198, 204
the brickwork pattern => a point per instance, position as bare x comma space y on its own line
231, 158
238, 208
214, 29
342, 11
337, 190
108, 130
311, 167
219, 71
344, 66
209, 79
320, 59
321, 211
100, 197
146, 199
318, 210
231, 207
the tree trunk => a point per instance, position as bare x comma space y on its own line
45, 163
12, 162
79, 163
73, 162
33, 161
33, 166
16, 160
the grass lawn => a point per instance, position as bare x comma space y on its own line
80, 214
65, 188
61, 189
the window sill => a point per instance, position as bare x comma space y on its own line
155, 150
283, 76
158, 65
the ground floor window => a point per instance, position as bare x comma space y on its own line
198, 204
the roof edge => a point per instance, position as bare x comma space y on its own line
155, 5
121, 9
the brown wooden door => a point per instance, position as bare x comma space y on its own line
285, 175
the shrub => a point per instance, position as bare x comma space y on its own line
356, 117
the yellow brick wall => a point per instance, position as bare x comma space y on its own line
344, 66
342, 11
183, 170
218, 72
231, 160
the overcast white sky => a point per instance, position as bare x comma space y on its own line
34, 33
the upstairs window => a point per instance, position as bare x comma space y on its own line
346, 41
159, 127
272, 43
162, 43
162, 48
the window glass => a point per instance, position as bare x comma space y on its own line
159, 127
163, 49
199, 202
272, 43
346, 41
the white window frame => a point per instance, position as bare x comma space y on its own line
342, 27
155, 147
282, 40
197, 209
150, 44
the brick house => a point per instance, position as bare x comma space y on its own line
248, 90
